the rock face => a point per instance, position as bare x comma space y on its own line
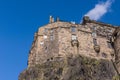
71, 68
116, 36
69, 51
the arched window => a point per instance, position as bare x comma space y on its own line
109, 44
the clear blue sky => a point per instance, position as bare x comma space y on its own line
20, 19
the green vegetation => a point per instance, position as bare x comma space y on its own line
116, 77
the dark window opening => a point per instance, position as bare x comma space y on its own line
59, 71
112, 54
45, 30
51, 37
97, 48
51, 58
73, 29
109, 44
104, 55
95, 41
48, 59
45, 48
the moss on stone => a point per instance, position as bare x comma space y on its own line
116, 77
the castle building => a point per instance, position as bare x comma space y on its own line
58, 38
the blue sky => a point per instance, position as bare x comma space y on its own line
20, 19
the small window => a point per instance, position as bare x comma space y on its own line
74, 37
51, 37
51, 31
109, 44
109, 37
95, 41
45, 48
41, 43
104, 55
52, 58
45, 37
73, 29
94, 28
45, 30
94, 35
48, 59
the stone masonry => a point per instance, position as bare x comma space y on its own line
57, 39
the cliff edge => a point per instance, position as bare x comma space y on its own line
71, 68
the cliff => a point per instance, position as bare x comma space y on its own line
71, 68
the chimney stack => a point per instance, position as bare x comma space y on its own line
86, 19
51, 20
58, 19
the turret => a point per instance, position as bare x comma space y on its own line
51, 19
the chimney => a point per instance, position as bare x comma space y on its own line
58, 19
51, 19
86, 19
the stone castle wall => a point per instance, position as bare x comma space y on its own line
85, 39
55, 40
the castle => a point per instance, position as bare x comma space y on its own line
57, 39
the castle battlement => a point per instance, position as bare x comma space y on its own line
56, 39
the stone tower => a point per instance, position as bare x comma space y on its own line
58, 39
